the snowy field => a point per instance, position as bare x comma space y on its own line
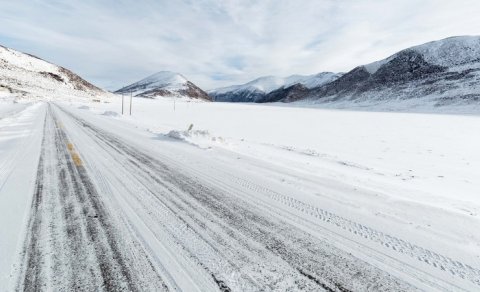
416, 175
8, 106
200, 196
20, 136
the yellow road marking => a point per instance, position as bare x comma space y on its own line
75, 157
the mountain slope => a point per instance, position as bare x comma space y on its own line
164, 83
258, 89
438, 73
26, 76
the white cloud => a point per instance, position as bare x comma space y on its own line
218, 42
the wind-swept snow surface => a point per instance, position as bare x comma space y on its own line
229, 197
20, 139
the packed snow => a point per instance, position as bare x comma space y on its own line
413, 172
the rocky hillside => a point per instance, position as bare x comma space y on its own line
440, 73
267, 89
165, 83
26, 76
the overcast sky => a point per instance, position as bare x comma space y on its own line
216, 43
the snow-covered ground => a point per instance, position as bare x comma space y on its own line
20, 137
9, 108
379, 103
416, 175
251, 195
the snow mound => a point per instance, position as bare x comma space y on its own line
200, 138
84, 107
110, 114
184, 135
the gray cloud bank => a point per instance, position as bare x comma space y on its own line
216, 43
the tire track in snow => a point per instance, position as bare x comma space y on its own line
313, 260
431, 258
72, 241
32, 250
187, 228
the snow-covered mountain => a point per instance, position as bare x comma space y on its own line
437, 73
165, 83
26, 76
258, 89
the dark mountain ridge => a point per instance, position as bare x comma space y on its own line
439, 73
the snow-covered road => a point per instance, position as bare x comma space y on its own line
117, 208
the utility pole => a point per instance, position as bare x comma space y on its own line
122, 103
131, 97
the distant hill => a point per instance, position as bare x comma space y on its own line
258, 89
438, 73
165, 83
27, 76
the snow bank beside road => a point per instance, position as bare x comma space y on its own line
8, 108
20, 139
200, 138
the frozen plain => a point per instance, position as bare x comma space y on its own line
393, 197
